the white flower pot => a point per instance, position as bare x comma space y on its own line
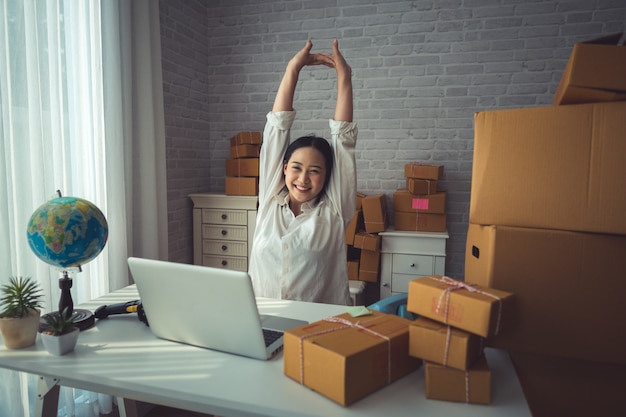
60, 345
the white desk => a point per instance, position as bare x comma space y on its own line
121, 357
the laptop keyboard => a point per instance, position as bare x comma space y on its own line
271, 336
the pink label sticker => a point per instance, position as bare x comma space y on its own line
420, 204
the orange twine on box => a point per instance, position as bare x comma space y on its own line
346, 325
458, 285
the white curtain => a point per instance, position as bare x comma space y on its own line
81, 111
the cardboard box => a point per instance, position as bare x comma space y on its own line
436, 342
555, 386
421, 186
477, 309
359, 200
242, 186
423, 171
403, 200
353, 270
245, 151
374, 213
367, 241
345, 361
448, 384
246, 138
242, 167
369, 266
594, 72
355, 225
569, 289
419, 222
558, 167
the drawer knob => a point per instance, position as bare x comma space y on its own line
224, 262
224, 232
224, 216
224, 247
385, 285
412, 265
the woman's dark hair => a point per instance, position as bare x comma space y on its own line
321, 145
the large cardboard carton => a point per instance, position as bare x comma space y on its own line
367, 241
242, 186
595, 72
245, 151
555, 386
246, 138
419, 222
558, 167
477, 309
374, 213
242, 167
405, 201
423, 171
346, 358
448, 384
569, 289
436, 342
369, 265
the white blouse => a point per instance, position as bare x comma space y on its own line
304, 257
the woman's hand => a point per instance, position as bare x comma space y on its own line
304, 57
340, 64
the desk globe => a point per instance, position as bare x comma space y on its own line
68, 232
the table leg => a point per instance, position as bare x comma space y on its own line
47, 397
126, 407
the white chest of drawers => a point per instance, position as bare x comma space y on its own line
409, 255
223, 228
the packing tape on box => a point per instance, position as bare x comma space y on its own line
455, 284
346, 325
447, 348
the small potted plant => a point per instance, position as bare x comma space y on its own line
20, 312
60, 333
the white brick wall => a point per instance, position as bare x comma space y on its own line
421, 70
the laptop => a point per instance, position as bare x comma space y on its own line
207, 307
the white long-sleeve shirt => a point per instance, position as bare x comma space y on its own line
304, 257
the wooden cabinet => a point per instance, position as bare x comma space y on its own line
223, 227
409, 255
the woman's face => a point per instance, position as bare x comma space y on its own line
305, 173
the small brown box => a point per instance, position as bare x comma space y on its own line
374, 213
421, 186
245, 151
438, 343
369, 265
367, 241
479, 310
353, 270
424, 171
419, 222
242, 167
355, 225
242, 186
435, 203
447, 384
246, 138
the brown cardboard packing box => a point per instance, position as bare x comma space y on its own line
242, 186
369, 265
423, 171
448, 384
477, 309
421, 186
246, 138
434, 203
419, 222
558, 167
245, 151
435, 342
595, 72
242, 167
355, 225
374, 213
353, 270
569, 289
367, 241
555, 386
346, 362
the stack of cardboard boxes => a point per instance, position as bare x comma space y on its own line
419, 206
242, 168
449, 335
547, 223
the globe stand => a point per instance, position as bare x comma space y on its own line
84, 320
